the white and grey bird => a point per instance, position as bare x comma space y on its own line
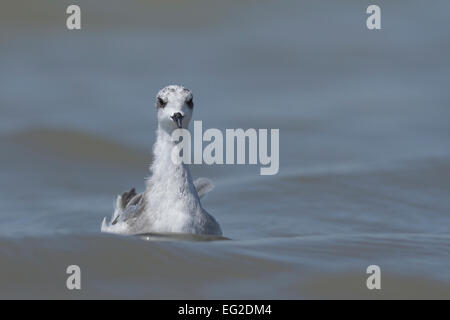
171, 201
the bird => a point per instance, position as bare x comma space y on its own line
171, 200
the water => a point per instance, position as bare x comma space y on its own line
364, 147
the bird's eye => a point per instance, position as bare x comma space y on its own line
190, 103
161, 103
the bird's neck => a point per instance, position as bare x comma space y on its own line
162, 154
175, 177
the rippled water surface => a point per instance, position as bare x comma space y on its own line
364, 121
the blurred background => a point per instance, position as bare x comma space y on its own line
364, 119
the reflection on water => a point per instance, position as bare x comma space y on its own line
178, 237
364, 148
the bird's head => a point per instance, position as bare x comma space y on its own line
175, 107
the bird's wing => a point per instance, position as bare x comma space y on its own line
203, 186
131, 204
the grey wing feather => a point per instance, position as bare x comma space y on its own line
203, 186
131, 204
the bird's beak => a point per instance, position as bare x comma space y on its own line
178, 118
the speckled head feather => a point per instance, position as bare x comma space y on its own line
173, 92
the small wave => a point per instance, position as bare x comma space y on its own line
79, 146
341, 169
126, 267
